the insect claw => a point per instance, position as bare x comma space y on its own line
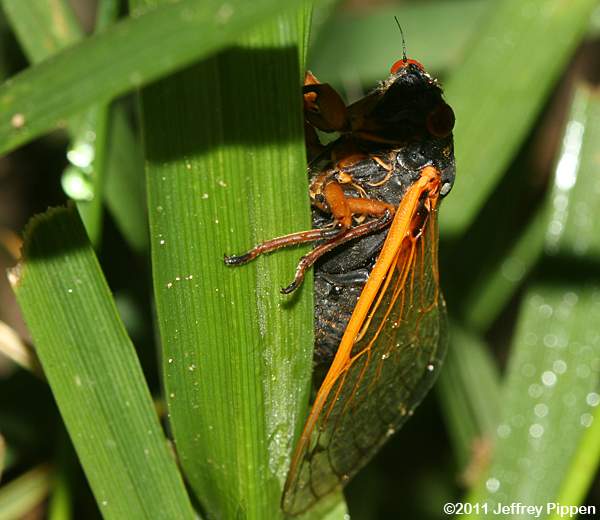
294, 285
236, 260
289, 289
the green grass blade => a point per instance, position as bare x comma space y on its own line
469, 391
489, 294
584, 466
553, 379
114, 176
2, 454
124, 188
225, 169
358, 48
94, 373
499, 89
22, 495
56, 29
43, 27
157, 42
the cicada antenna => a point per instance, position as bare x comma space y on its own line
403, 40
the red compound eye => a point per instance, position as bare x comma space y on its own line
440, 121
400, 64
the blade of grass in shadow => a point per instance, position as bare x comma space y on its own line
225, 169
118, 179
124, 189
94, 373
2, 454
56, 28
499, 89
469, 392
553, 378
43, 27
486, 299
24, 494
358, 48
157, 42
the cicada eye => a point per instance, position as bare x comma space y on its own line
440, 121
405, 62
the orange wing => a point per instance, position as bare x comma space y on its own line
387, 359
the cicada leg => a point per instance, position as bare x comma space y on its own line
342, 237
342, 208
293, 239
323, 106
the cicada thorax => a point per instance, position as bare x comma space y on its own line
369, 170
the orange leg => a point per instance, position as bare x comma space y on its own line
343, 207
293, 239
342, 237
323, 106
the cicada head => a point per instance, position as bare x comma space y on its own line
407, 111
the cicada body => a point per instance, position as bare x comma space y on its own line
379, 313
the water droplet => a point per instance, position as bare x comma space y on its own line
550, 340
17, 120
81, 155
545, 310
169, 285
77, 184
535, 390
492, 484
430, 367
559, 366
586, 420
224, 13
540, 409
549, 378
592, 399
503, 431
583, 371
536, 430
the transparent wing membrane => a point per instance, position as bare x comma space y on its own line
373, 388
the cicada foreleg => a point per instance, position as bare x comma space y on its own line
342, 237
324, 109
342, 208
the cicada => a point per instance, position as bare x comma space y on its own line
379, 315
